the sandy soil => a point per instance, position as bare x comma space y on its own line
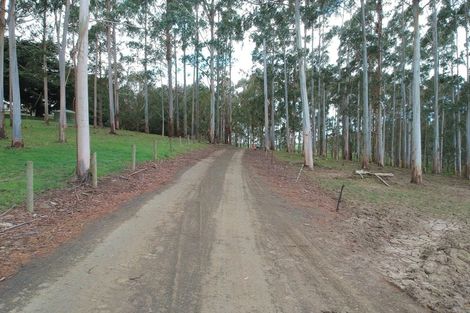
218, 239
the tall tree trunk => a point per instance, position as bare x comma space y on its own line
211, 70
63, 99
196, 124
312, 96
358, 122
193, 104
44, 62
416, 171
436, 162
17, 139
380, 135
116, 81
403, 90
83, 127
95, 85
146, 89
307, 131
169, 76
271, 130
467, 47
2, 57
457, 124
286, 102
365, 93
112, 124
230, 106
100, 98
267, 144
163, 108
177, 109
185, 96
324, 142
393, 117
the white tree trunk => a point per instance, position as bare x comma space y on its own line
115, 81
146, 93
267, 143
467, 34
211, 69
2, 57
416, 171
83, 127
307, 131
436, 162
185, 97
112, 124
95, 85
286, 103
63, 106
365, 94
17, 139
45, 80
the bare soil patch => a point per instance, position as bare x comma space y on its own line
425, 254
61, 215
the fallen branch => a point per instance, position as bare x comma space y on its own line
300, 172
362, 172
17, 226
379, 176
137, 172
382, 180
7, 211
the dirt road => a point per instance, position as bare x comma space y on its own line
214, 241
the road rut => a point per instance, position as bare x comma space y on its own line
216, 240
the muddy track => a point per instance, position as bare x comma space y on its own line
216, 240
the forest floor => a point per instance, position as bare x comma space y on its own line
418, 237
54, 162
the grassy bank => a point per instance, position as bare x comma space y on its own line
54, 163
440, 195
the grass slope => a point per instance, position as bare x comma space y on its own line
440, 195
54, 163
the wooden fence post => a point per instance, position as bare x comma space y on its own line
29, 186
94, 170
133, 157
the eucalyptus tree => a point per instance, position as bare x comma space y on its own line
2, 56
307, 131
44, 7
111, 92
229, 30
15, 113
62, 74
416, 170
169, 21
466, 11
365, 93
83, 127
436, 154
211, 10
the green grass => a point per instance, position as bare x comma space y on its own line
440, 195
54, 163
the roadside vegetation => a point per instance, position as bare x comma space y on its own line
439, 195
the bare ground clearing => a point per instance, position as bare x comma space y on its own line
418, 238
